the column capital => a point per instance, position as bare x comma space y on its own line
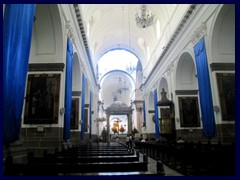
199, 33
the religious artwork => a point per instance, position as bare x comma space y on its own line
75, 113
226, 89
42, 99
115, 127
166, 122
121, 129
118, 124
189, 112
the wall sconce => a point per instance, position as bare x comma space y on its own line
216, 108
190, 130
62, 110
40, 128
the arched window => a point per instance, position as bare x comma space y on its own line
158, 29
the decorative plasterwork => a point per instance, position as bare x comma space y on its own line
69, 32
173, 38
170, 68
84, 38
199, 33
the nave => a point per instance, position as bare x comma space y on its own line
118, 159
82, 80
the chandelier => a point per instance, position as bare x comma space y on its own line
122, 87
130, 68
145, 19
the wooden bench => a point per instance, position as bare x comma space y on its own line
41, 169
82, 159
134, 173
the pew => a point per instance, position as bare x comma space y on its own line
81, 160
193, 158
51, 158
54, 169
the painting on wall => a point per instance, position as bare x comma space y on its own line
42, 99
189, 112
226, 89
166, 122
75, 113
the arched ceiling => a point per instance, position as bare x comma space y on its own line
111, 26
110, 83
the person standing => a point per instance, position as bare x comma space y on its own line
127, 141
144, 132
130, 141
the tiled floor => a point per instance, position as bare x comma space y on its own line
152, 167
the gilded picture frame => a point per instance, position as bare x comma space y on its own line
226, 90
189, 112
42, 99
75, 113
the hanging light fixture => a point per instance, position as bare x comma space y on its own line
145, 19
122, 87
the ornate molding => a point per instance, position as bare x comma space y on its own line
186, 92
199, 33
70, 33
170, 68
36, 67
76, 93
222, 66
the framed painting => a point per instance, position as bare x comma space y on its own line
42, 99
75, 113
189, 112
226, 90
86, 119
166, 122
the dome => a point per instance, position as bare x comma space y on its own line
118, 104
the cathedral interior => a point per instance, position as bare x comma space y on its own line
119, 89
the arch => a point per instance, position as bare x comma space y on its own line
222, 42
47, 38
114, 49
124, 59
163, 84
151, 101
150, 112
186, 73
110, 83
116, 71
158, 29
76, 73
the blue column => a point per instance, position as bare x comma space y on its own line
17, 34
83, 106
90, 128
144, 111
156, 114
68, 91
204, 85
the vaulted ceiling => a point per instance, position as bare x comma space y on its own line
113, 26
106, 27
